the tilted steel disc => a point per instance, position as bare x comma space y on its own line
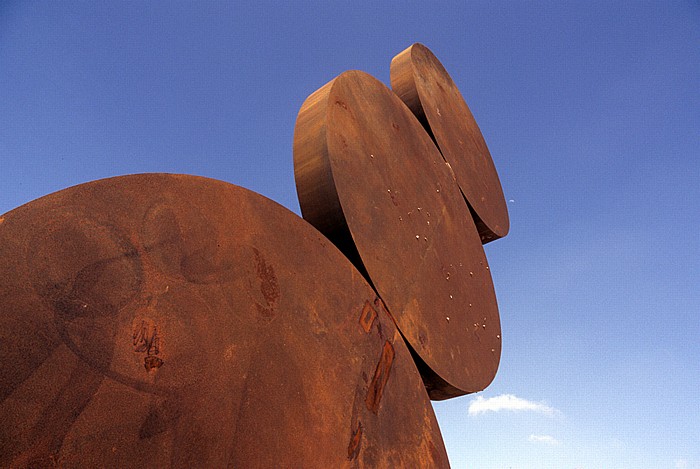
370, 177
421, 81
176, 321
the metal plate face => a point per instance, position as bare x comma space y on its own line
370, 177
421, 81
176, 321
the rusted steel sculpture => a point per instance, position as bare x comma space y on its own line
372, 180
177, 321
424, 85
147, 323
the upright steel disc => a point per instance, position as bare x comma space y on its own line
176, 321
424, 85
370, 177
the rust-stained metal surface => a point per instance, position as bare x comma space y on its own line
422, 82
369, 176
175, 321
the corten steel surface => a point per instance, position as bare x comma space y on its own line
162, 320
370, 177
424, 85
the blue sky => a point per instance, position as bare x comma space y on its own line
591, 111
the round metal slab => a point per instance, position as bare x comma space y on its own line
369, 176
175, 321
421, 81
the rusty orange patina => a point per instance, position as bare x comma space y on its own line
177, 321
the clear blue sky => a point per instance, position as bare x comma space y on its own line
591, 111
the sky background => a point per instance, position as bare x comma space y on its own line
591, 111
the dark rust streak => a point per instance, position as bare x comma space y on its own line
58, 417
381, 376
355, 440
378, 304
393, 199
146, 339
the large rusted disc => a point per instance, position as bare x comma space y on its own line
369, 177
424, 85
176, 321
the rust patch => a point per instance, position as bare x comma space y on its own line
150, 362
355, 440
367, 317
269, 287
266, 313
145, 338
160, 419
268, 280
381, 376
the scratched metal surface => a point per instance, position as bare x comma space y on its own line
175, 321
369, 176
422, 82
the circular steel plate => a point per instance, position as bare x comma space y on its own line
424, 85
369, 177
176, 321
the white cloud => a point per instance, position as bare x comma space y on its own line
508, 402
546, 439
681, 463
